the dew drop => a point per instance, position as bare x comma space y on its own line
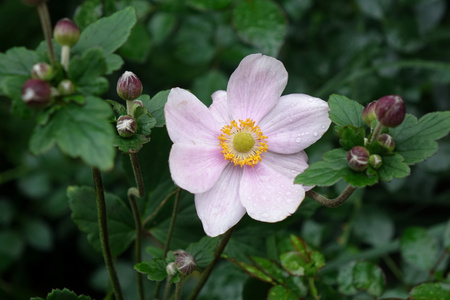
293, 172
315, 133
265, 215
288, 193
298, 140
323, 126
288, 200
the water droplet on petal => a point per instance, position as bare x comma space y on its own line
298, 140
315, 133
288, 200
288, 193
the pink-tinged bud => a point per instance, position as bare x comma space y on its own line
375, 161
358, 158
387, 142
171, 269
126, 126
66, 32
42, 71
129, 87
368, 113
66, 87
36, 93
390, 110
185, 262
33, 2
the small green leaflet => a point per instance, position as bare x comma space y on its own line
344, 111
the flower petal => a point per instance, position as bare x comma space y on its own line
255, 87
219, 108
296, 122
188, 120
219, 209
196, 168
268, 195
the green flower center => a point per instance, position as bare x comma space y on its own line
243, 141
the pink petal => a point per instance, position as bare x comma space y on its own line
188, 120
255, 87
219, 209
296, 122
196, 168
267, 195
219, 108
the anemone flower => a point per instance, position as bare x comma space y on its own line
241, 154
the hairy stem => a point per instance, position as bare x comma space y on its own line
205, 274
103, 231
138, 175
339, 200
44, 17
178, 287
167, 288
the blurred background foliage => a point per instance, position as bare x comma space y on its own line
363, 49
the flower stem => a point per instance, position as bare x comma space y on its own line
65, 57
205, 274
376, 132
178, 287
44, 17
312, 288
137, 175
167, 288
339, 200
103, 231
159, 207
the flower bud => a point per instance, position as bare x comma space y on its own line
42, 71
368, 113
66, 87
36, 93
186, 263
375, 161
387, 142
129, 87
390, 110
358, 158
66, 32
171, 269
126, 126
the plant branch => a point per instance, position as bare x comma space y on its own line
205, 274
44, 17
178, 287
103, 231
159, 207
137, 174
313, 289
339, 200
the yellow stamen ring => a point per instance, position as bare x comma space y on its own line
243, 144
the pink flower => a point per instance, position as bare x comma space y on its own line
241, 154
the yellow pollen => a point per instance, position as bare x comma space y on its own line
243, 143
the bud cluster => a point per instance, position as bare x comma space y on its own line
388, 110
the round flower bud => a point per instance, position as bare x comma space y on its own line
42, 71
387, 142
375, 161
390, 110
129, 87
368, 113
171, 269
358, 158
66, 32
36, 93
186, 263
126, 126
66, 87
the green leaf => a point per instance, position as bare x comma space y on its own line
114, 62
203, 251
271, 268
351, 136
64, 294
138, 44
82, 201
252, 270
145, 123
447, 236
208, 4
156, 105
155, 269
17, 61
161, 25
327, 172
117, 107
393, 167
38, 234
415, 140
79, 131
418, 248
261, 24
279, 292
107, 33
430, 291
130, 144
344, 111
369, 277
88, 12
300, 246
204, 86
373, 226
11, 86
294, 263
11, 248
345, 279
361, 179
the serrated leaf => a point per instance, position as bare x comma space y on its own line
369, 277
156, 105
351, 136
82, 201
360, 179
79, 131
271, 268
393, 167
88, 12
107, 33
252, 271
430, 291
155, 269
17, 61
260, 23
117, 107
11, 86
203, 250
327, 172
145, 123
415, 140
65, 294
294, 263
279, 292
130, 144
344, 111
418, 248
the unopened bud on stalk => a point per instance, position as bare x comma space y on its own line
126, 126
387, 142
358, 158
368, 113
66, 87
66, 32
390, 110
171, 269
375, 161
36, 93
42, 71
186, 263
129, 87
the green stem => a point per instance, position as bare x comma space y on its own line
339, 200
155, 212
376, 132
178, 287
393, 266
313, 289
65, 57
137, 174
44, 16
167, 288
103, 231
205, 274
